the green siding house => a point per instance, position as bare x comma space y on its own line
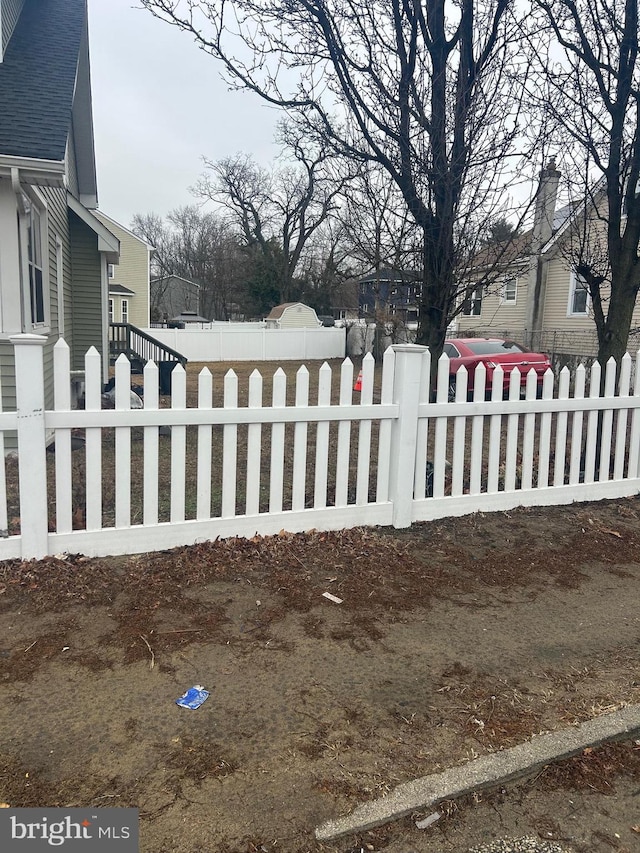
54, 252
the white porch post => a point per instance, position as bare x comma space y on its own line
32, 457
407, 384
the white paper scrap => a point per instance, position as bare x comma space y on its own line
423, 824
333, 598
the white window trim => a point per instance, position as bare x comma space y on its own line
111, 309
572, 290
35, 199
124, 310
504, 299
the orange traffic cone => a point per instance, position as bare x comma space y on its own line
358, 385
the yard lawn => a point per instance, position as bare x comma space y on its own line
453, 638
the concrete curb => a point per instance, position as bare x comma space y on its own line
494, 769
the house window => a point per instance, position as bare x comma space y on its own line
510, 289
578, 297
124, 309
111, 310
33, 237
111, 270
472, 306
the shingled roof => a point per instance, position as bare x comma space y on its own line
37, 79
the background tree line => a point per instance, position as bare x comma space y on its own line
452, 104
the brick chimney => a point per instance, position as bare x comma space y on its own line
542, 232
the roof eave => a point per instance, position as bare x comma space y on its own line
43, 173
82, 127
108, 243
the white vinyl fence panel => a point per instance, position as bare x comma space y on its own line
153, 478
253, 342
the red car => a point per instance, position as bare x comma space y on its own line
471, 352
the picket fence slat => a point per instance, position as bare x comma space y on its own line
178, 446
276, 483
230, 448
459, 432
511, 460
344, 436
123, 444
544, 444
321, 472
621, 426
561, 430
592, 427
477, 431
495, 430
151, 446
604, 449
576, 427
634, 441
422, 436
254, 447
364, 435
440, 429
93, 440
300, 432
205, 431
433, 457
384, 434
61, 439
528, 438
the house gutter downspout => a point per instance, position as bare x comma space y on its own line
17, 187
542, 233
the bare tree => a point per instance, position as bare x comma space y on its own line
200, 247
277, 210
422, 87
595, 100
383, 241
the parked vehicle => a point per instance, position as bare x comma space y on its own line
492, 352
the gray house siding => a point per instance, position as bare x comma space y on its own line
58, 229
10, 14
86, 293
7, 376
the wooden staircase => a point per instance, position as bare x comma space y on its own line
139, 347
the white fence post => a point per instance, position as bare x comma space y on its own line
407, 385
32, 456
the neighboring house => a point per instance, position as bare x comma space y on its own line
54, 251
171, 295
393, 293
129, 279
344, 300
292, 315
537, 297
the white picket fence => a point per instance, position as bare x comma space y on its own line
391, 457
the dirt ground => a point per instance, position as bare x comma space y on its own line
453, 638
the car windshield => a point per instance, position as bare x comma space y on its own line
493, 347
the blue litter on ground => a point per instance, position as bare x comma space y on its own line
193, 698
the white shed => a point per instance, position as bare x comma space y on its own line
292, 315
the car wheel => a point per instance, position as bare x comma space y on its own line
451, 391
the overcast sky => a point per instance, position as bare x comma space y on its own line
159, 105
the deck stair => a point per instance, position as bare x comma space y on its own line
139, 347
